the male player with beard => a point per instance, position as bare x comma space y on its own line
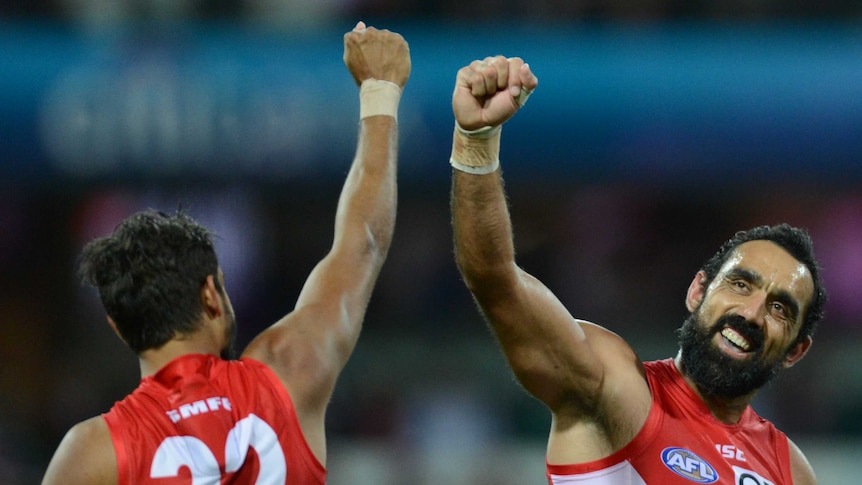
616, 420
196, 417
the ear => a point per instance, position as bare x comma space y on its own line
113, 326
696, 291
211, 298
797, 352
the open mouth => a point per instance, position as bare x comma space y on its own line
735, 340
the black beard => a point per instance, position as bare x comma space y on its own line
717, 374
229, 352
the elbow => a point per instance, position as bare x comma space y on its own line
486, 280
471, 273
378, 239
556, 384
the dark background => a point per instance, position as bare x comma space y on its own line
658, 130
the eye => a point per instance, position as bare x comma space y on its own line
740, 285
779, 310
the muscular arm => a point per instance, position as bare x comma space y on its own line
545, 347
582, 372
312, 344
309, 347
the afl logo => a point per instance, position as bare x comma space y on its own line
688, 465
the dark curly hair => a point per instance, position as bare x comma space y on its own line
795, 241
149, 274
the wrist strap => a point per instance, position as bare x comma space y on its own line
477, 151
484, 132
378, 97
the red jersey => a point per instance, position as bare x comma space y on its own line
203, 420
681, 443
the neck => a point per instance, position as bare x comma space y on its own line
726, 410
153, 360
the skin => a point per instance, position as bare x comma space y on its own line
308, 347
589, 378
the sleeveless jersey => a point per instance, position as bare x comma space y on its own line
681, 443
203, 420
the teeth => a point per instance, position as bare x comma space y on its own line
735, 338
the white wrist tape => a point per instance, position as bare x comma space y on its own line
378, 97
476, 152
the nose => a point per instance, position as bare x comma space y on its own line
754, 308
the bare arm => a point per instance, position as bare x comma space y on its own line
544, 345
309, 347
537, 335
580, 371
84, 457
803, 473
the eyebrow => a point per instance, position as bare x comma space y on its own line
781, 295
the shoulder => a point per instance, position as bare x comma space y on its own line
85, 456
803, 473
298, 350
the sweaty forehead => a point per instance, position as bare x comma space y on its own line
778, 268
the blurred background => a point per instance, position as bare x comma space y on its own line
658, 130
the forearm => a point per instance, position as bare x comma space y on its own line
482, 229
534, 330
340, 286
318, 336
365, 219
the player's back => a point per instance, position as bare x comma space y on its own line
205, 420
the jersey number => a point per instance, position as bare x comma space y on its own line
250, 432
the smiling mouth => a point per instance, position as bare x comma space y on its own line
735, 339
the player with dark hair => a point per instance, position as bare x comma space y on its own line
196, 416
616, 419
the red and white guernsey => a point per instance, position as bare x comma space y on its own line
202, 420
681, 443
